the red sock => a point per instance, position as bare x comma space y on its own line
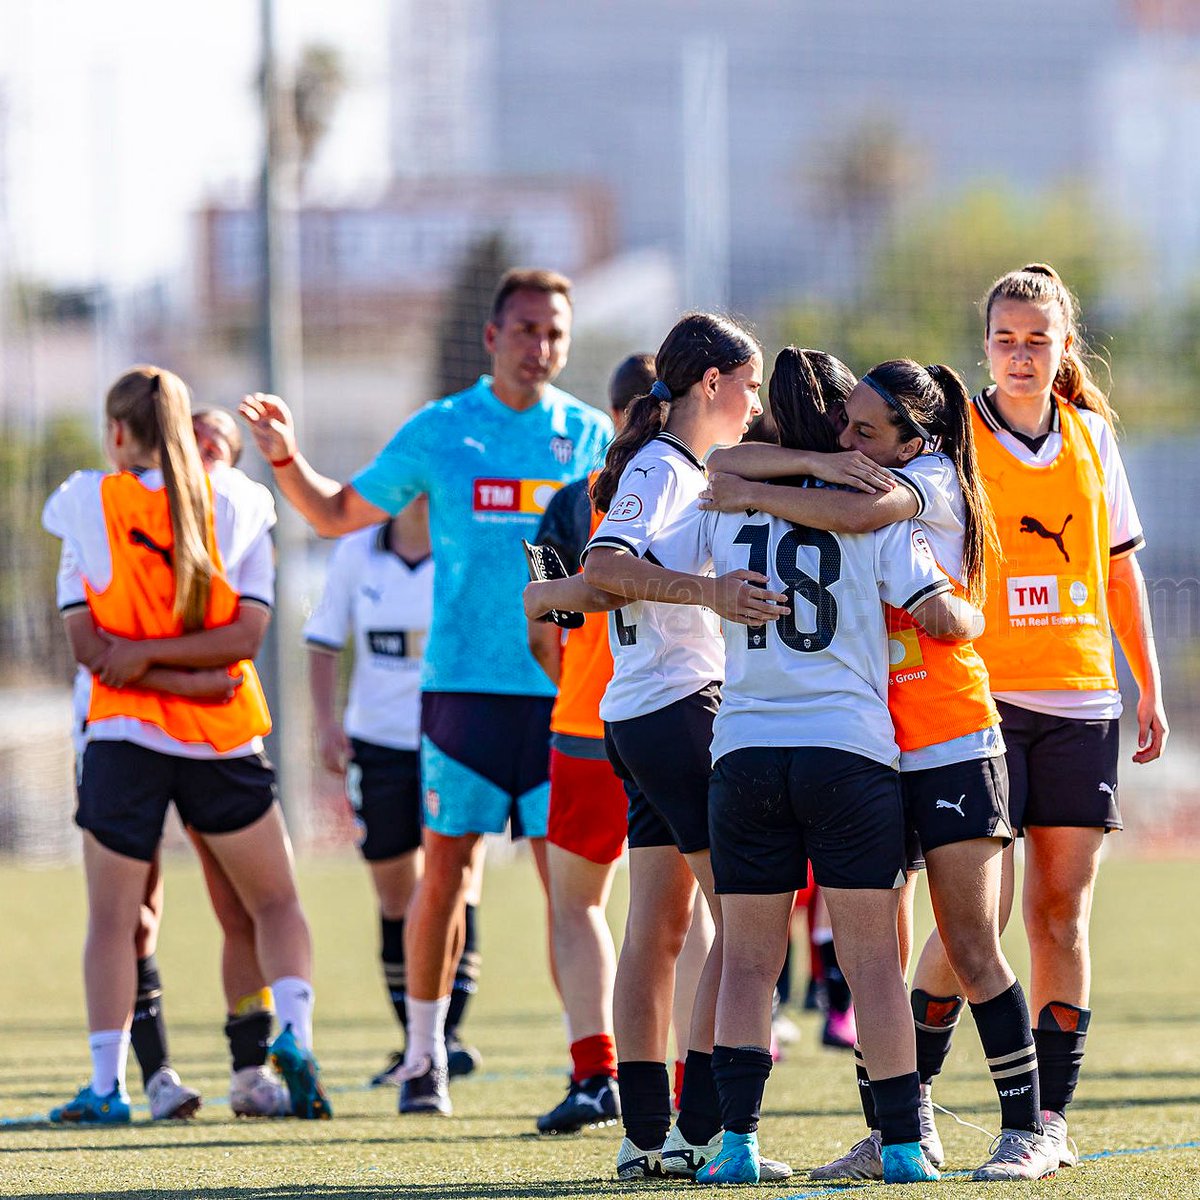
595, 1055
678, 1095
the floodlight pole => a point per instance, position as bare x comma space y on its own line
284, 660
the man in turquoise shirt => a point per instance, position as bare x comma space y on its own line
489, 459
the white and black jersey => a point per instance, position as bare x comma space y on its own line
818, 675
385, 604
661, 652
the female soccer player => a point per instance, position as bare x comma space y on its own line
916, 420
1064, 578
151, 540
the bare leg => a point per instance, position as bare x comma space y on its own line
688, 967
755, 932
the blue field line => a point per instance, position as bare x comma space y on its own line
1099, 1154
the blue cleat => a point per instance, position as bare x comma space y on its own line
90, 1109
736, 1163
302, 1076
905, 1162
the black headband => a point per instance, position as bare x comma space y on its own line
899, 408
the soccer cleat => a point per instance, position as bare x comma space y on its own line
931, 1142
392, 1071
425, 1088
905, 1162
1018, 1154
589, 1103
684, 1158
90, 1109
1056, 1134
302, 1076
461, 1059
169, 1099
736, 1162
636, 1163
784, 1030
258, 1092
841, 1031
864, 1160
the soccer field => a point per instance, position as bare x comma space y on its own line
1136, 1117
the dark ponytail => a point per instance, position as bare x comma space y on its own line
935, 400
697, 343
805, 386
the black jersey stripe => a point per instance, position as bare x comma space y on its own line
683, 449
932, 589
1128, 547
616, 542
73, 607
914, 487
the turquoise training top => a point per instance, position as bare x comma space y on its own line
489, 472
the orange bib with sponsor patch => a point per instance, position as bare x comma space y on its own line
138, 603
937, 691
587, 666
1046, 608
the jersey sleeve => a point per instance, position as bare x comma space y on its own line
932, 480
74, 513
255, 582
561, 526
401, 470
905, 567
329, 625
641, 507
69, 590
244, 516
1124, 525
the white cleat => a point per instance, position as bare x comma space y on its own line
1055, 1125
864, 1160
169, 1099
258, 1092
931, 1143
683, 1158
634, 1163
1018, 1154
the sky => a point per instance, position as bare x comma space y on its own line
118, 118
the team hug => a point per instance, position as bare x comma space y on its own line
863, 636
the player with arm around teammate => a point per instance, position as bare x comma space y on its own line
489, 458
150, 540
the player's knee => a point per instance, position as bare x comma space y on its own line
1062, 930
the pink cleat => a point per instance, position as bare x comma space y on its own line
840, 1030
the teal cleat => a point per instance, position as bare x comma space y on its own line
736, 1163
90, 1109
302, 1076
905, 1162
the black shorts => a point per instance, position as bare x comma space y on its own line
384, 789
1061, 771
957, 802
124, 791
664, 761
773, 809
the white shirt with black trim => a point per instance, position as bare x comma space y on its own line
1125, 536
385, 604
243, 516
818, 676
661, 652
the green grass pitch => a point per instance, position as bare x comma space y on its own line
1140, 1091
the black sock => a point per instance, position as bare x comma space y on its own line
699, 1109
1060, 1037
741, 1073
395, 975
936, 1018
466, 975
149, 1033
865, 1097
645, 1103
249, 1038
837, 990
896, 1102
784, 984
1003, 1024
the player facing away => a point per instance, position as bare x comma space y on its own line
916, 422
805, 770
151, 541
489, 458
1063, 579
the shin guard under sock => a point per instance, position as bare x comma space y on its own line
149, 1032
699, 1109
645, 1103
896, 1101
936, 1018
395, 974
1003, 1024
741, 1074
1060, 1037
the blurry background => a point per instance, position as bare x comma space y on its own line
848, 174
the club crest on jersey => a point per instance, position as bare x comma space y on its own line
524, 496
563, 449
627, 508
921, 544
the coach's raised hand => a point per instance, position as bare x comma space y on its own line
271, 426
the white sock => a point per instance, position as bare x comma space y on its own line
426, 1031
294, 1006
110, 1052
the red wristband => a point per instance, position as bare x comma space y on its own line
283, 462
